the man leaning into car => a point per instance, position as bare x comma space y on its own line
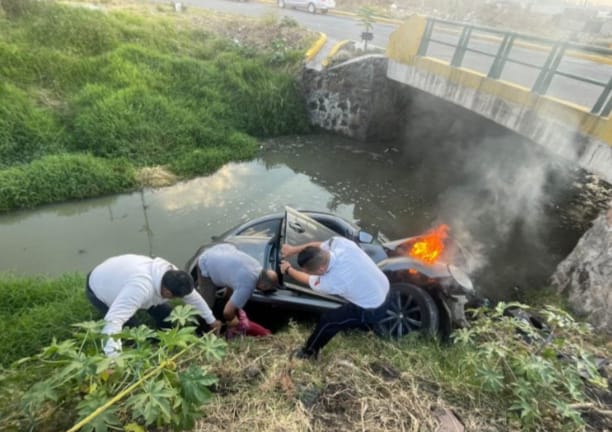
338, 267
223, 265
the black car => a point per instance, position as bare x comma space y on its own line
429, 293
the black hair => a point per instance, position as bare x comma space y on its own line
311, 258
267, 280
178, 282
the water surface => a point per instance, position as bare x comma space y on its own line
514, 218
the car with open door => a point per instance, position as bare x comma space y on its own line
428, 287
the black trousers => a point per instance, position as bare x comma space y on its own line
347, 317
159, 313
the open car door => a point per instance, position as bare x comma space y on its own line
299, 229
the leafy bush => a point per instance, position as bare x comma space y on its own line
62, 177
154, 382
538, 374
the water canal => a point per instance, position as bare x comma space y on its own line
516, 212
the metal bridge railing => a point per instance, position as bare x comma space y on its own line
542, 56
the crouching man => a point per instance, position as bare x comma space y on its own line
224, 265
339, 267
122, 285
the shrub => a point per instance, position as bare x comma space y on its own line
537, 375
73, 382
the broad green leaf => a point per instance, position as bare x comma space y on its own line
194, 385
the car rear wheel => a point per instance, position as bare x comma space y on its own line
410, 309
311, 8
281, 4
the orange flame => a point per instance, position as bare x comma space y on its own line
430, 245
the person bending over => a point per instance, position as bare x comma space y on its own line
339, 267
121, 285
223, 265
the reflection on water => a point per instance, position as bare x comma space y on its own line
509, 219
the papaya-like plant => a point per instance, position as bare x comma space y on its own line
538, 368
161, 378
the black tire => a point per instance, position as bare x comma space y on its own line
281, 4
311, 8
410, 309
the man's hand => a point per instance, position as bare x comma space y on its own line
288, 250
216, 327
284, 266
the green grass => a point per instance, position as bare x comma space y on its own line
117, 86
35, 310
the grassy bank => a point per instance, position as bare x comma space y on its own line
117, 90
499, 375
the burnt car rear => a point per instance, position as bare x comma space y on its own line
428, 295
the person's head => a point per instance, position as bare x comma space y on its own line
267, 280
313, 260
176, 283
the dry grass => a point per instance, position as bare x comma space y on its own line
352, 387
155, 177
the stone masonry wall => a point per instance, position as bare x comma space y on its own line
356, 99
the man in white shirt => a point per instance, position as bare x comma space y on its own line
339, 267
122, 285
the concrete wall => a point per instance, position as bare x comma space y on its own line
562, 128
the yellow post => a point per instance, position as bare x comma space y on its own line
404, 42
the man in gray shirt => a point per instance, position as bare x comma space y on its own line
224, 265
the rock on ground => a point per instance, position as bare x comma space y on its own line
585, 276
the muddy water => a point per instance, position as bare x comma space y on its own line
516, 213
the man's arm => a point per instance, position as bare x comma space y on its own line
289, 250
300, 276
121, 310
195, 299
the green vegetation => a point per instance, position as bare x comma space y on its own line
153, 382
119, 91
500, 373
34, 310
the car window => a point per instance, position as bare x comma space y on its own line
267, 228
299, 229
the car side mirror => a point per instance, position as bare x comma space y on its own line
365, 237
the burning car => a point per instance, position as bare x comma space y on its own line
429, 290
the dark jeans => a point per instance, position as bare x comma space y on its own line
159, 313
347, 317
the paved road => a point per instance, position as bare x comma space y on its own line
339, 28
335, 27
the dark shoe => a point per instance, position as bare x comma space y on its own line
303, 354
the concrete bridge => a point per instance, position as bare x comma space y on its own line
521, 82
